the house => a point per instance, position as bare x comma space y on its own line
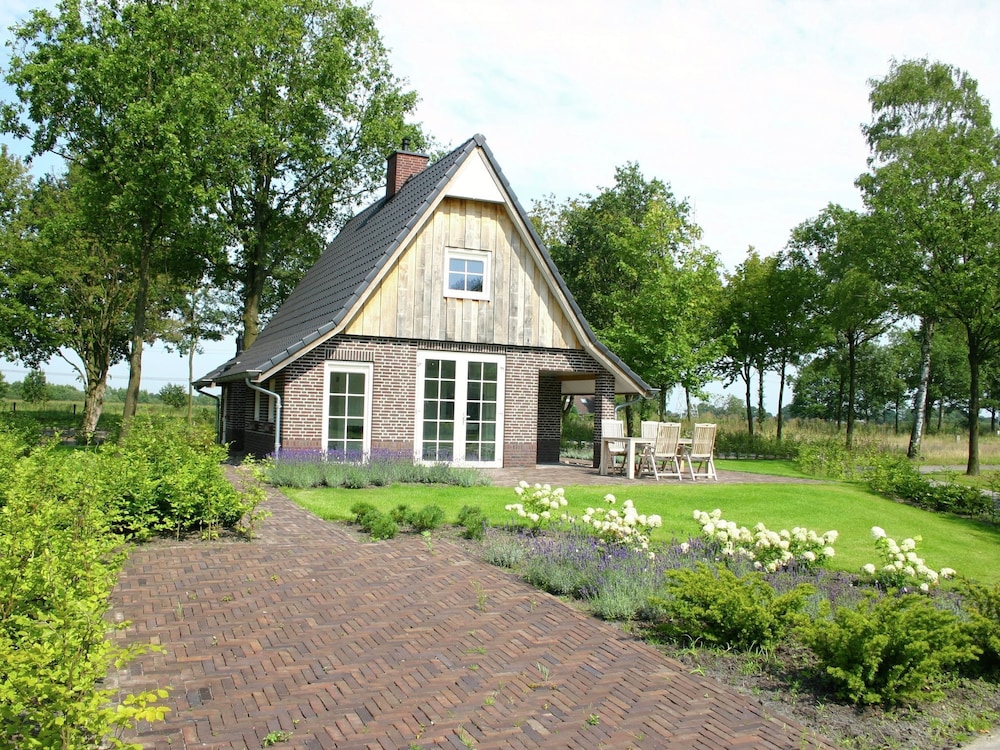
435, 324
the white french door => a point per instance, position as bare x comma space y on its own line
347, 410
459, 415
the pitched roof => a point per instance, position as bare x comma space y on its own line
350, 263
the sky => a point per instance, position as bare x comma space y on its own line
749, 109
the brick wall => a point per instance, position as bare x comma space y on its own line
532, 396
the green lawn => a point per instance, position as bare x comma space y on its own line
970, 547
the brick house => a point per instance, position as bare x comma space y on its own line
435, 324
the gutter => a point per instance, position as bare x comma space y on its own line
277, 413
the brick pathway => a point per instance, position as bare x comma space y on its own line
342, 644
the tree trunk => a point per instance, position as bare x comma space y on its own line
138, 334
749, 400
851, 385
781, 394
254, 293
190, 415
760, 395
687, 403
972, 469
93, 401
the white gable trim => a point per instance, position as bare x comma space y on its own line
476, 181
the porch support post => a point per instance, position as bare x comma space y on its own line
604, 408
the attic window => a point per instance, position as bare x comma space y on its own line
467, 274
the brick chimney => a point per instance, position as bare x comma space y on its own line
402, 166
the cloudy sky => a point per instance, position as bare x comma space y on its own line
750, 109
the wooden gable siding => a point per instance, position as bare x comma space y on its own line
410, 303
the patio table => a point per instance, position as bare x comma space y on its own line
631, 442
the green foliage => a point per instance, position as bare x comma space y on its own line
473, 522
34, 388
741, 444
714, 605
890, 651
896, 477
379, 525
981, 605
176, 482
427, 518
828, 458
302, 469
174, 395
58, 563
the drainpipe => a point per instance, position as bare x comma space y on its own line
277, 413
218, 412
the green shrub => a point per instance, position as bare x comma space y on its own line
380, 526
896, 477
58, 563
502, 548
713, 605
981, 605
361, 510
826, 458
427, 518
473, 522
401, 513
890, 651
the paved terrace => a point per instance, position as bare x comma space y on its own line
343, 644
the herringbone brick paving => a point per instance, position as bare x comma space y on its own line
391, 645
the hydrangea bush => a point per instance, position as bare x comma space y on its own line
901, 566
769, 550
627, 527
540, 504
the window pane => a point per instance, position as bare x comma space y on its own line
356, 383
447, 430
337, 429
430, 409
474, 390
489, 391
337, 406
355, 429
338, 382
456, 281
356, 406
490, 371
448, 370
475, 370
474, 284
431, 368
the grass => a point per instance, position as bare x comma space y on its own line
966, 545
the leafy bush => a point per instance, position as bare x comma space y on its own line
891, 651
739, 444
896, 477
712, 604
372, 521
176, 480
426, 519
473, 522
981, 605
58, 563
826, 458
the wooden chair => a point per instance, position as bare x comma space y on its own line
611, 450
702, 452
666, 451
644, 461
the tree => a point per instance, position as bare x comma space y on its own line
741, 317
631, 256
203, 317
127, 92
855, 306
173, 395
934, 177
314, 109
34, 388
80, 287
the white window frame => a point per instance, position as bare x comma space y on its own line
350, 367
475, 255
462, 360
